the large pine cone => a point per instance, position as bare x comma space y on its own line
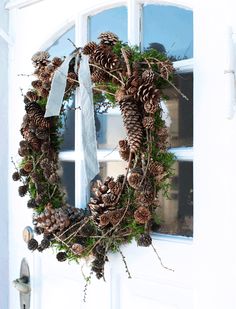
104, 57
36, 114
132, 122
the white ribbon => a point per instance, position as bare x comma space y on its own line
58, 87
89, 143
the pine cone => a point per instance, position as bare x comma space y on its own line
89, 48
148, 122
135, 177
32, 244
148, 92
32, 96
115, 187
145, 199
142, 215
104, 220
56, 61
144, 240
151, 106
99, 76
132, 84
36, 114
37, 84
16, 176
41, 57
31, 203
41, 133
98, 267
104, 57
23, 190
61, 256
166, 69
45, 243
77, 249
115, 216
148, 76
124, 150
109, 199
132, 122
156, 168
108, 38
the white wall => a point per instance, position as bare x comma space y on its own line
3, 160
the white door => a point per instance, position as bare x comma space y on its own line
169, 28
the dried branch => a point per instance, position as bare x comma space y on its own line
126, 61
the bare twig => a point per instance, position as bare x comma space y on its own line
72, 43
126, 62
101, 90
98, 67
88, 281
159, 258
65, 244
124, 261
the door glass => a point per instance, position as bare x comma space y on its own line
113, 20
176, 212
168, 29
181, 111
68, 181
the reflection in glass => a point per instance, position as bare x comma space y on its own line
177, 212
114, 20
60, 48
110, 129
68, 180
169, 29
181, 111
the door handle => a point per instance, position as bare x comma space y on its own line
22, 284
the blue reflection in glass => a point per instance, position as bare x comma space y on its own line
62, 46
168, 29
114, 20
68, 181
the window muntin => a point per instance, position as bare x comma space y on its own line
169, 29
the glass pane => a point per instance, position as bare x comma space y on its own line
169, 29
68, 180
114, 20
113, 169
60, 48
110, 129
181, 111
177, 212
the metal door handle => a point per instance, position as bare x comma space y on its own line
22, 285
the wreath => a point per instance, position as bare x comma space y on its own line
120, 209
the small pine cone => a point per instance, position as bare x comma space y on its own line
115, 216
26, 100
89, 48
28, 166
37, 84
38, 230
31, 203
147, 92
45, 243
56, 61
23, 190
54, 178
23, 152
132, 84
142, 215
109, 199
45, 147
135, 177
23, 172
151, 106
148, 76
145, 198
108, 38
43, 93
132, 122
98, 267
61, 256
44, 76
41, 57
50, 68
77, 249
99, 76
145, 240
32, 96
32, 244
35, 177
38, 199
41, 133
87, 230
148, 122
36, 114
166, 68
156, 168
16, 176
107, 180
104, 57
104, 220
115, 187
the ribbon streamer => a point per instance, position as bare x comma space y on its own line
58, 86
89, 143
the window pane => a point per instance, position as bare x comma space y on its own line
114, 20
110, 129
60, 48
177, 212
68, 180
113, 169
168, 29
181, 111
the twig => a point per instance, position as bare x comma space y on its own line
148, 63
98, 67
25, 75
159, 258
77, 231
65, 244
101, 90
124, 261
110, 152
69, 228
72, 43
88, 280
126, 61
148, 162
54, 190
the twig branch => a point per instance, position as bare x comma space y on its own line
159, 258
125, 263
101, 90
98, 67
126, 61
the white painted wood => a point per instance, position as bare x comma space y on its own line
151, 285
